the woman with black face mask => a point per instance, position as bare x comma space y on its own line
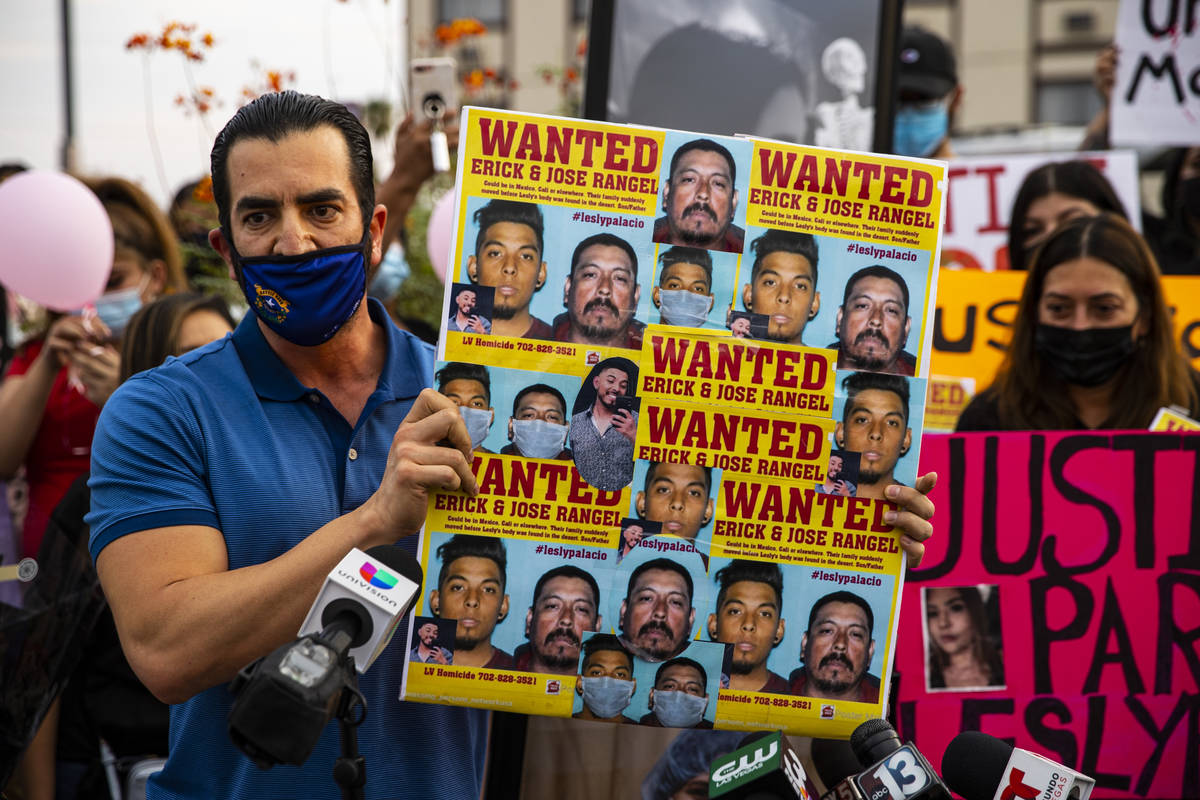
1093, 345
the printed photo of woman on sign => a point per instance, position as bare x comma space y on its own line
962, 637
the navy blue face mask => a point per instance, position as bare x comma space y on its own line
306, 298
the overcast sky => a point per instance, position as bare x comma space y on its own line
343, 50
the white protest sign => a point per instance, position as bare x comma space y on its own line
1156, 99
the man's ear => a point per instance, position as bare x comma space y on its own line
621, 613
666, 195
747, 298
510, 429
870, 654
712, 627
708, 512
779, 631
804, 644
650, 700
472, 269
655, 297
434, 602
566, 291
733, 207
637, 296
218, 242
599, 623
907, 328
528, 621
640, 505
837, 324
375, 229
816, 306
691, 622
839, 434
503, 610
541, 277
907, 443
712, 299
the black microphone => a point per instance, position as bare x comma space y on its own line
836, 766
283, 701
982, 767
765, 766
897, 771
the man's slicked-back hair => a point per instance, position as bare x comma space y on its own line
567, 571
515, 211
464, 545
843, 596
682, 661
601, 642
666, 565
707, 145
607, 240
754, 571
686, 255
777, 241
876, 271
857, 382
464, 371
277, 115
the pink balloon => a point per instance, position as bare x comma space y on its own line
57, 239
440, 234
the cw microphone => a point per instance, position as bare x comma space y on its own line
982, 767
284, 701
764, 767
896, 772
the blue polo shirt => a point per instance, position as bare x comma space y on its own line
226, 437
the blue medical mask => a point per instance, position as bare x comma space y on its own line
115, 309
681, 307
306, 298
606, 696
919, 129
478, 420
537, 438
676, 709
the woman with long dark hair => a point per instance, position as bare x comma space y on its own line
1092, 344
1052, 195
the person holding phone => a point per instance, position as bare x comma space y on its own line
605, 424
463, 316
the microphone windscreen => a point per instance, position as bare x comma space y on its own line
399, 559
874, 740
974, 764
835, 761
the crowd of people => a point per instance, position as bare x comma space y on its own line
183, 429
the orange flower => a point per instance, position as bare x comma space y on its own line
193, 55
180, 100
474, 80
572, 75
275, 81
581, 50
445, 34
490, 74
207, 39
203, 193
207, 91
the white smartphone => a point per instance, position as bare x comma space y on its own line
433, 86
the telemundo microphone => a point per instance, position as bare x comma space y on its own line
284, 700
982, 767
765, 766
895, 771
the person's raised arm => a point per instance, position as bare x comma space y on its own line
23, 397
187, 622
412, 166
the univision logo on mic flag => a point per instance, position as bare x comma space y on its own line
375, 576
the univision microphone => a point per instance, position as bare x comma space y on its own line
982, 767
764, 767
284, 701
896, 772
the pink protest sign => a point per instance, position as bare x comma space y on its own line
1059, 605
